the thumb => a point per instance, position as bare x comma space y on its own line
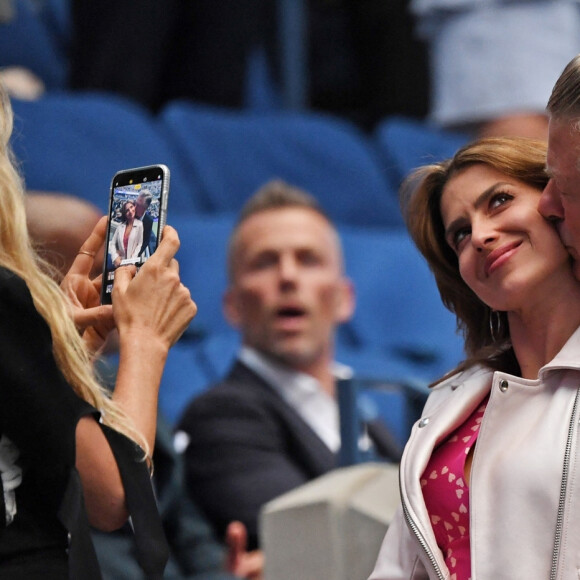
237, 542
123, 277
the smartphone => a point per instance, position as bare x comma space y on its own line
137, 214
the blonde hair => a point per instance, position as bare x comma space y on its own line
420, 196
18, 255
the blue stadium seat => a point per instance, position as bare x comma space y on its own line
399, 318
405, 144
192, 366
400, 333
35, 36
75, 143
202, 259
230, 154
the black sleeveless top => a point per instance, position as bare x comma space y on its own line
44, 530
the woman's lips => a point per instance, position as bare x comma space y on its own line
498, 256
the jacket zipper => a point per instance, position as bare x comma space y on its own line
420, 538
561, 505
563, 489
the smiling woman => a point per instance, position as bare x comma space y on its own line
502, 269
504, 246
519, 160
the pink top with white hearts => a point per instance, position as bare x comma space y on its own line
446, 495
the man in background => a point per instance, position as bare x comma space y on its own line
273, 423
142, 204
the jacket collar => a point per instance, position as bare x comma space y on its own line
453, 401
567, 358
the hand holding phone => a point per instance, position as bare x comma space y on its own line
137, 214
154, 303
92, 320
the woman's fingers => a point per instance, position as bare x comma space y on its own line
83, 263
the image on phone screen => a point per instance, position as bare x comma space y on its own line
136, 217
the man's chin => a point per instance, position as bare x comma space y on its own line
294, 356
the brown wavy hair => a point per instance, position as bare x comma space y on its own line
420, 198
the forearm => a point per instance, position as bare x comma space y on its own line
136, 391
141, 362
102, 487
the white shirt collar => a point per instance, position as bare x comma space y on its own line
302, 392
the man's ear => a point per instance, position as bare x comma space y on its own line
231, 308
346, 301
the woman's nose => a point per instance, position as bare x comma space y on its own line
482, 235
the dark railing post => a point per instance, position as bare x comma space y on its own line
349, 422
293, 34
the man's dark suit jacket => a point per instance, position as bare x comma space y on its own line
147, 227
249, 446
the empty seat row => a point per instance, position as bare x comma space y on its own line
74, 143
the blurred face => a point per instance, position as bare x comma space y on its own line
140, 205
129, 211
508, 253
288, 291
560, 200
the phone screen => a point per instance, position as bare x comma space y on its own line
137, 209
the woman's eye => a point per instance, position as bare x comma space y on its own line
459, 236
499, 199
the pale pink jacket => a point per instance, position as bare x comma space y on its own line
116, 248
525, 478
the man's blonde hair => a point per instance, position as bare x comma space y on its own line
275, 194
